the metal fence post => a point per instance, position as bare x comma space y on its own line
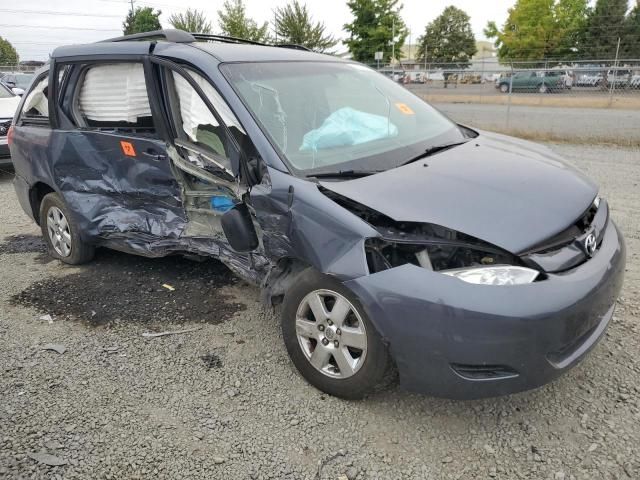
615, 74
509, 98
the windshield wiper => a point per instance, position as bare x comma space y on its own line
431, 150
344, 174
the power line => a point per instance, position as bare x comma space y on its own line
53, 12
94, 29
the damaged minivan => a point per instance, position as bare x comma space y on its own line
470, 263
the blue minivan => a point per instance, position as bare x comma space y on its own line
472, 263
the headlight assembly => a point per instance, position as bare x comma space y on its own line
494, 275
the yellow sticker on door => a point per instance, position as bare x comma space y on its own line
404, 108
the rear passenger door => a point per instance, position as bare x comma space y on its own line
111, 162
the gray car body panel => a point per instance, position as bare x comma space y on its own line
510, 193
504, 191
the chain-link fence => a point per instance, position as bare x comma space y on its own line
500, 97
599, 83
18, 68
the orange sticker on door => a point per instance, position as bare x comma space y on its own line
404, 108
127, 149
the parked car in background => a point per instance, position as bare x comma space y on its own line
589, 79
566, 76
532, 82
8, 104
17, 80
618, 78
494, 270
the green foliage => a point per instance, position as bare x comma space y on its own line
539, 29
448, 39
372, 29
234, 22
8, 54
605, 25
295, 25
630, 47
142, 19
191, 21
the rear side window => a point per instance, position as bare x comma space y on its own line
114, 96
35, 110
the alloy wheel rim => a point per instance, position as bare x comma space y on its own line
331, 334
59, 231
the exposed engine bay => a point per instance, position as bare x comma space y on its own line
430, 246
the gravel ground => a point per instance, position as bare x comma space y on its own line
591, 125
223, 401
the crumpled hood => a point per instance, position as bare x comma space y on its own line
505, 191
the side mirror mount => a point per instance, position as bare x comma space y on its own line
239, 229
17, 91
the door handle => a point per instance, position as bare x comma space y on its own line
154, 155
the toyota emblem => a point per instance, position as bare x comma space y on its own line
590, 245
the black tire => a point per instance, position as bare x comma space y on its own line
504, 88
376, 369
80, 252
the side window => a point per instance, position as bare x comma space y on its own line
113, 96
195, 122
35, 110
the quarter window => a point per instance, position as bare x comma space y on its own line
36, 106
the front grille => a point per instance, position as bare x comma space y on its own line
4, 127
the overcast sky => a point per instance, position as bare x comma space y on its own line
36, 34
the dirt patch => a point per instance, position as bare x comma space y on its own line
211, 360
22, 244
116, 288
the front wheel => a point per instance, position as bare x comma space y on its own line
504, 88
61, 233
543, 88
330, 339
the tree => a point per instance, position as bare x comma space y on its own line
234, 22
295, 25
448, 39
190, 21
373, 27
605, 25
630, 47
539, 29
8, 54
142, 19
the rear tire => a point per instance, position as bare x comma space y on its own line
504, 88
543, 88
354, 361
61, 233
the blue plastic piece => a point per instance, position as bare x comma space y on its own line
221, 203
347, 126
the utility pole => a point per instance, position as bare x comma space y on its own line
393, 49
132, 9
615, 73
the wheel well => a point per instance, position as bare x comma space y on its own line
36, 194
280, 279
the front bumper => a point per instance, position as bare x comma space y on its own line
5, 156
457, 340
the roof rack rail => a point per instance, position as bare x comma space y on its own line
225, 39
170, 35
294, 46
180, 36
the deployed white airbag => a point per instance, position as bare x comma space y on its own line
114, 93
